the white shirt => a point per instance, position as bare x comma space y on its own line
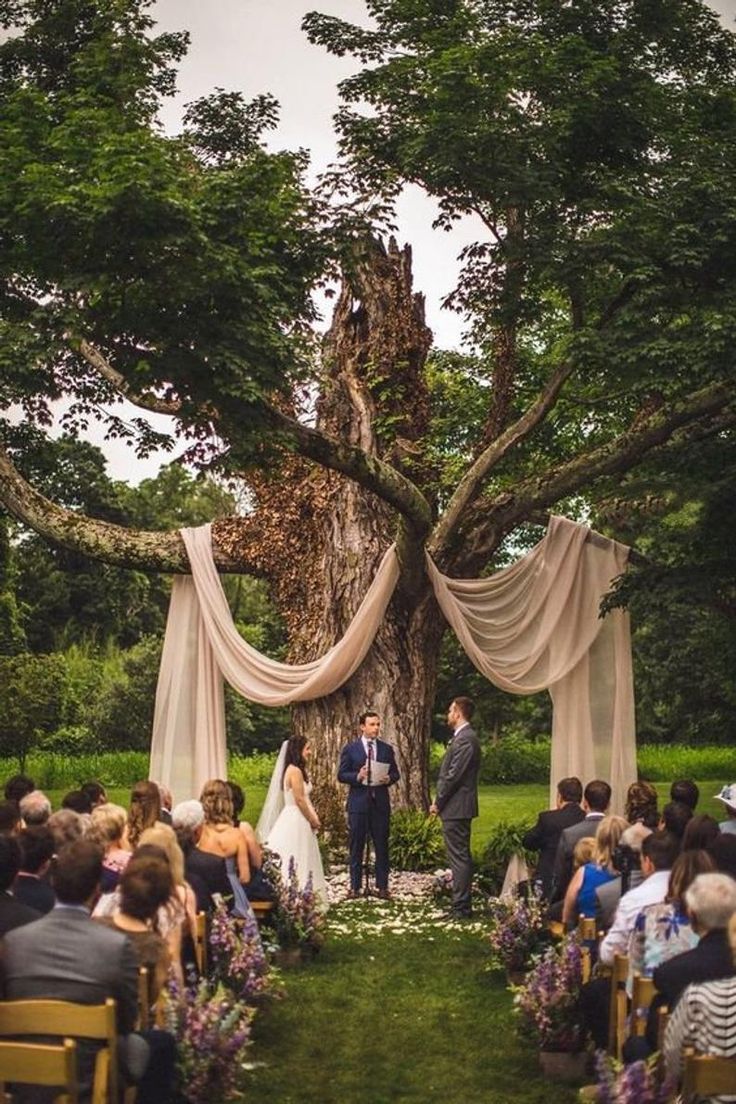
652, 891
465, 724
366, 743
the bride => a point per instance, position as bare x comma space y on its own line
289, 822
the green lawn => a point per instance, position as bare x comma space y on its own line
395, 1016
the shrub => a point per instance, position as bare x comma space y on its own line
513, 759
659, 763
503, 842
70, 740
415, 841
66, 772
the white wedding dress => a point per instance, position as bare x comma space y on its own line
292, 838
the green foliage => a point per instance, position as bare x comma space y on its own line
503, 842
31, 695
415, 841
512, 759
66, 772
665, 764
115, 232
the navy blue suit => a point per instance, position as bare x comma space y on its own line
369, 809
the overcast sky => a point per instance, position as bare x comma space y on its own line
258, 46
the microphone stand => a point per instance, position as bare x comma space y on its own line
367, 857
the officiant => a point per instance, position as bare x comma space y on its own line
368, 767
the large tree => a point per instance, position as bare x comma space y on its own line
593, 142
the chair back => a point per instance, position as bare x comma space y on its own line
663, 1018
706, 1075
200, 943
66, 1018
144, 999
618, 1005
587, 929
642, 995
33, 1064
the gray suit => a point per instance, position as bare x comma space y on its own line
67, 956
457, 804
563, 859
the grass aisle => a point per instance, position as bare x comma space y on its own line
396, 1007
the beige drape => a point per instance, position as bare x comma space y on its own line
535, 626
530, 627
202, 645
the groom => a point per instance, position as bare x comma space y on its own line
369, 808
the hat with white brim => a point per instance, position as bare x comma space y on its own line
727, 795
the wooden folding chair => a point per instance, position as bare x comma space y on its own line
30, 1018
199, 937
587, 930
642, 995
706, 1075
262, 909
617, 1007
144, 999
663, 1018
34, 1064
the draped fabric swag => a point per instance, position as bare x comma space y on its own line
529, 627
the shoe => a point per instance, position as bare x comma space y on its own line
451, 914
383, 894
352, 895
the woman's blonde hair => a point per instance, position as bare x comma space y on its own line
583, 852
108, 823
217, 802
607, 839
164, 837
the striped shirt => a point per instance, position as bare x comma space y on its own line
704, 1019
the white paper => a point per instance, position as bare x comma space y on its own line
379, 773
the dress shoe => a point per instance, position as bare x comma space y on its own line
352, 895
383, 894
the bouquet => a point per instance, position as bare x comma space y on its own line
548, 1003
637, 1083
518, 930
212, 1032
238, 958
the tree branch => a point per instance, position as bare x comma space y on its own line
368, 471
494, 518
114, 544
470, 484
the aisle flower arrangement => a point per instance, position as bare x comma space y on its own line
518, 931
212, 1032
637, 1083
300, 919
238, 959
548, 1002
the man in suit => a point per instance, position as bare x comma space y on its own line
456, 802
13, 913
67, 956
368, 805
596, 799
31, 886
545, 835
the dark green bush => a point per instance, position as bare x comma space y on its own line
503, 842
512, 759
415, 841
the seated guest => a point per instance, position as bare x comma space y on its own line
710, 903
144, 812
95, 792
66, 827
703, 1019
580, 899
10, 822
728, 797
205, 873
35, 809
219, 836
596, 799
723, 852
31, 886
77, 800
700, 833
65, 956
161, 835
107, 830
675, 817
145, 886
664, 930
658, 854
686, 791
17, 787
166, 802
545, 835
641, 813
659, 851
257, 887
13, 913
